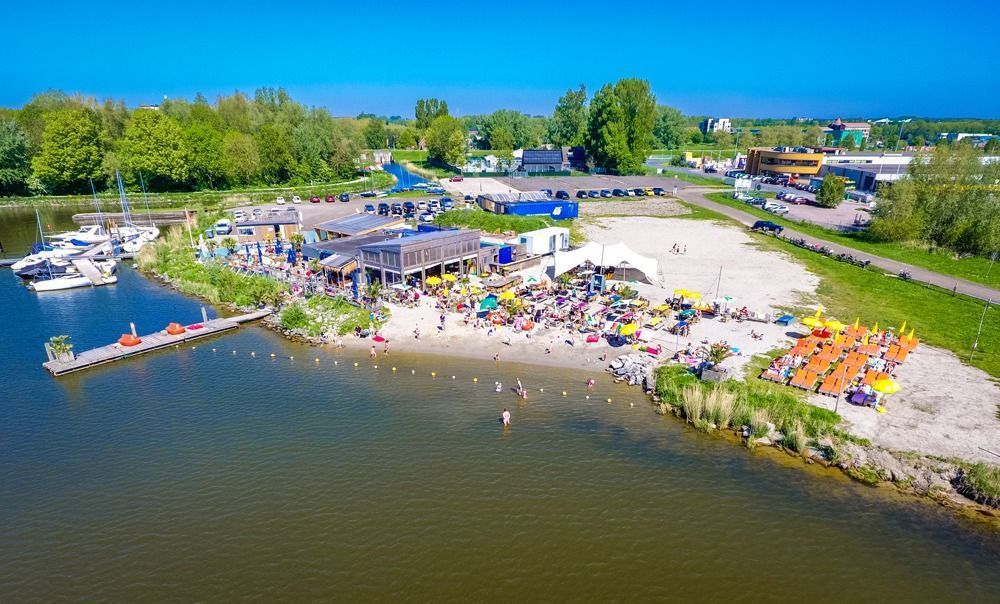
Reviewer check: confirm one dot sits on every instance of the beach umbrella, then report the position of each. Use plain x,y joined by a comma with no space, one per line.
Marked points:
857,322
277,246
875,329
627,330
260,254
886,386
449,277
819,310
910,337
507,295
292,256
247,246
661,308
902,328
812,322
532,280
433,280
834,325
489,303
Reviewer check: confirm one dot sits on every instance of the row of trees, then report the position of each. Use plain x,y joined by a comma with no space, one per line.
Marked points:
58,144
950,199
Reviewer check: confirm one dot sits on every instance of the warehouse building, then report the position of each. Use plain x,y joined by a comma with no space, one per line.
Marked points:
528,203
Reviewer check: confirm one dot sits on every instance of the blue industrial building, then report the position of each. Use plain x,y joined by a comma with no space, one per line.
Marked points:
532,203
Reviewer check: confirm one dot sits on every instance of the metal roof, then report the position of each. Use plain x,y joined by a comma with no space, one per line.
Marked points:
356,224
337,260
289,217
422,238
514,197
542,156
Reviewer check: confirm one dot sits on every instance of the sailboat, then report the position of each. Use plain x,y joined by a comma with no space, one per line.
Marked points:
132,237
48,278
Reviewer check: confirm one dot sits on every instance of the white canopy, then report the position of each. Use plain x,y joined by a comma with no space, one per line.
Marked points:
606,255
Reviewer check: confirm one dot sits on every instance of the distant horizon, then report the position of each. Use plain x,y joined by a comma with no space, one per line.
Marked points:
352,59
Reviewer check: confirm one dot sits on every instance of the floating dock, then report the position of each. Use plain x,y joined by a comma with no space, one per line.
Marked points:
154,341
150,219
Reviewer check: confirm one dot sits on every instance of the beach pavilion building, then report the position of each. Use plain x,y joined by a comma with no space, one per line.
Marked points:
392,261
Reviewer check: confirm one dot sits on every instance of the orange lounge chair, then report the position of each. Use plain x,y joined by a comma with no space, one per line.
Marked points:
872,376
832,384
818,365
871,350
771,376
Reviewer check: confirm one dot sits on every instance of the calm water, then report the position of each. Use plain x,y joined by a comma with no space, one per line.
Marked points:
208,475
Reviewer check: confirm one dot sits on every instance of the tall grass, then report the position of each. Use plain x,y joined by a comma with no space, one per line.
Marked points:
981,482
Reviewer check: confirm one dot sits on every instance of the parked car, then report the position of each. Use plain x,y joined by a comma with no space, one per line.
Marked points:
296,199
433,205
768,227
757,201
800,200
618,192
775,208
330,199
368,194
369,208
468,199
593,194
742,197
426,217
458,178
408,207
397,209
562,194
421,205
658,191
639,192
547,192
447,204
280,201
383,209
605,192
314,199
581,194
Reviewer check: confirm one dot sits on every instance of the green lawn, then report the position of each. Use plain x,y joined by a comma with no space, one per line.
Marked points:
694,179
850,292
975,269
699,150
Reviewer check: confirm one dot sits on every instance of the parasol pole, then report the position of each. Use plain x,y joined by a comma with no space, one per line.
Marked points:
975,344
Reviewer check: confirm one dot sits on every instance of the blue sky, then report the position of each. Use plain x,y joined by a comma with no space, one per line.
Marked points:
784,59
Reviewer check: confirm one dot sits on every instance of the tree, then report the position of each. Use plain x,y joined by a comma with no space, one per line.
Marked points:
501,138
204,145
342,160
813,135
375,135
847,142
240,159
234,111
274,147
15,169
427,110
992,146
153,146
70,155
620,128
446,140
568,127
408,138
831,192
669,127
512,128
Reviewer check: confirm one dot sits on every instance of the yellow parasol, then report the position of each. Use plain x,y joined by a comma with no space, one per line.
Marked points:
629,329
445,291
902,328
910,337
886,386
433,280
857,322
661,308
875,329
864,340
812,322
449,277
507,295
834,325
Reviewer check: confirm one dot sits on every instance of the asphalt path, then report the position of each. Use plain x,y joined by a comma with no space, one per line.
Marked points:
696,196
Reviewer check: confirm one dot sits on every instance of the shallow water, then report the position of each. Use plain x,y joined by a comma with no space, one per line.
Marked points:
208,475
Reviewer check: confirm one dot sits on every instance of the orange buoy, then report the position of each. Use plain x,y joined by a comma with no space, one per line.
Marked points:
175,329
128,339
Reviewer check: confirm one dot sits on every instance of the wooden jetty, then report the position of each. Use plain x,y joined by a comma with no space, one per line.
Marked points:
153,218
154,341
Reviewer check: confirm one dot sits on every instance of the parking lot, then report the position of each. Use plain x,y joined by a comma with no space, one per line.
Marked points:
570,184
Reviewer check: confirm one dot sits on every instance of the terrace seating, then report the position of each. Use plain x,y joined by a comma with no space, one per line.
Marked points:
857,333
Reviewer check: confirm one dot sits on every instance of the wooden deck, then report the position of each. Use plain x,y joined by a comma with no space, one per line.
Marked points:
154,341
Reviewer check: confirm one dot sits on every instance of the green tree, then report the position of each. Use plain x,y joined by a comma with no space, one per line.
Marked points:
240,158
205,166
234,112
153,146
274,147
620,129
669,127
847,142
446,140
831,192
15,169
568,127
501,138
342,160
71,153
512,127
427,110
992,146
375,135
408,138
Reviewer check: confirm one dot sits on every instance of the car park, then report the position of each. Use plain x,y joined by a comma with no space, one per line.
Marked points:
581,194
562,194
280,201
383,209
296,199
314,199
369,208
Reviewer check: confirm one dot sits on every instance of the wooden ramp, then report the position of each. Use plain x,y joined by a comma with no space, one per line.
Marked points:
154,341
89,270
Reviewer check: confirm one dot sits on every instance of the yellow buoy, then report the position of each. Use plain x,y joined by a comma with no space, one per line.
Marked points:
433,374
609,401
452,377
355,364
564,393
393,368
272,355
475,379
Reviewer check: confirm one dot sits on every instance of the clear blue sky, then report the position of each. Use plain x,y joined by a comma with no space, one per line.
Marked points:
783,59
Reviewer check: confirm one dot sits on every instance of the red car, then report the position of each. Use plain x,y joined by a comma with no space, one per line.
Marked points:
456,178
330,199
314,199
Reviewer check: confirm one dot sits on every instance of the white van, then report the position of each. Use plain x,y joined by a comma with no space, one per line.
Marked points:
223,227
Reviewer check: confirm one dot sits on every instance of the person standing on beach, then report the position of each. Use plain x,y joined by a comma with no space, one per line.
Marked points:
373,351
416,333
386,349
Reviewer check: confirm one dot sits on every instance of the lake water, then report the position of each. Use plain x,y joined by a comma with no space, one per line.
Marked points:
404,178
210,474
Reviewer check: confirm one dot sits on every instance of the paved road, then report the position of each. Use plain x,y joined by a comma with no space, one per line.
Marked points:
696,196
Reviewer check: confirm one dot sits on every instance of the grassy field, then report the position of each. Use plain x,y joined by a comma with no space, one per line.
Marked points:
850,292
975,269
698,150
193,199
694,179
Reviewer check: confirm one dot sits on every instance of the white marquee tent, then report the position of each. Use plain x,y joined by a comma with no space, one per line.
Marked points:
606,255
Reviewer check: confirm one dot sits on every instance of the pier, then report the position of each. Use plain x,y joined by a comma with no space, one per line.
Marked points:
157,218
155,341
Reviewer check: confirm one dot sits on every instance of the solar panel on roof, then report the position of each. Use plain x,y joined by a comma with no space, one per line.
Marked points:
542,156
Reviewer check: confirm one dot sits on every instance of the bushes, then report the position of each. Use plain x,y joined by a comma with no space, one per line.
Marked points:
489,222
980,482
320,315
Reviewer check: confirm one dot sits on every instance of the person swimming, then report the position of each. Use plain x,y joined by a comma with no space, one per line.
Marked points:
590,383
506,416
499,387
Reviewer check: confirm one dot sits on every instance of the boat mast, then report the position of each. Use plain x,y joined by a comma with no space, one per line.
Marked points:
145,201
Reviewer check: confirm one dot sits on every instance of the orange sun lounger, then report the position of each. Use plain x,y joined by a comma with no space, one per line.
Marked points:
872,376
804,379
832,384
